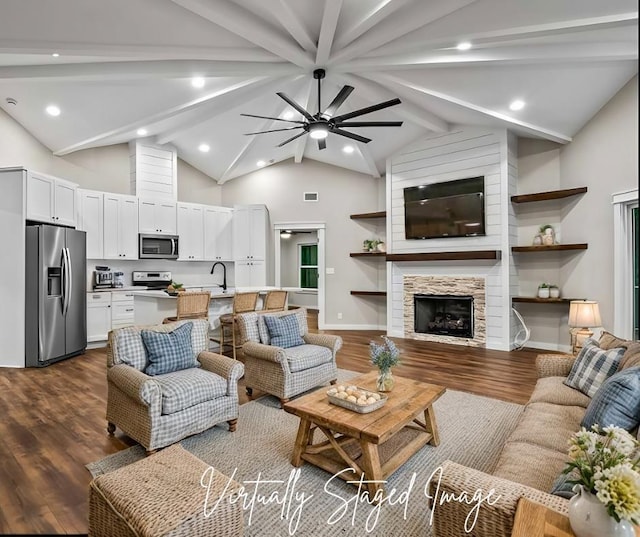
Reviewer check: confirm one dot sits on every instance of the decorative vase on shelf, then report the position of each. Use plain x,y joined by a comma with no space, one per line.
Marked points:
549,237
385,381
537,240
589,518
554,292
543,292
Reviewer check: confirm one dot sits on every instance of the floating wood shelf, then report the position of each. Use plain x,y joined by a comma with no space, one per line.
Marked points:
446,256
364,216
536,300
550,195
555,247
367,254
369,293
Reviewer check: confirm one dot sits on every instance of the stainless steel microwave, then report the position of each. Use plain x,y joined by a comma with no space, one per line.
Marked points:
157,246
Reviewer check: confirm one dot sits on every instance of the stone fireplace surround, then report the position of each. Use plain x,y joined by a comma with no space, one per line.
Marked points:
446,285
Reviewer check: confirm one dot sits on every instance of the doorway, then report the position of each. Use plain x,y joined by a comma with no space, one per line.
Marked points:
300,264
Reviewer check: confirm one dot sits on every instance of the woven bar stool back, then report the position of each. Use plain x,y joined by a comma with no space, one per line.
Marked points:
275,301
191,306
242,303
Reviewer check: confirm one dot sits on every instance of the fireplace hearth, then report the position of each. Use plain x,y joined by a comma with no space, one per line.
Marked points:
444,315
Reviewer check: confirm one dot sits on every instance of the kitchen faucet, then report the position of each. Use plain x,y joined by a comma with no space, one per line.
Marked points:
224,273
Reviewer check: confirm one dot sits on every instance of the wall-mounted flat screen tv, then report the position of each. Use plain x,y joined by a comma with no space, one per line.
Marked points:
449,209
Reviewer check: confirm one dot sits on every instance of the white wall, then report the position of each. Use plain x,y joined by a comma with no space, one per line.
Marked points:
341,193
604,157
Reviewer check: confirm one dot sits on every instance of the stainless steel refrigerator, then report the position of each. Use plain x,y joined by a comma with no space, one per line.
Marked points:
56,281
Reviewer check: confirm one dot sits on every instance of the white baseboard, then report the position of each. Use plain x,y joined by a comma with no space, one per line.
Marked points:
548,346
97,344
381,327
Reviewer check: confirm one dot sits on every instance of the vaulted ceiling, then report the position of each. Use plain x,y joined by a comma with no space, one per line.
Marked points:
125,65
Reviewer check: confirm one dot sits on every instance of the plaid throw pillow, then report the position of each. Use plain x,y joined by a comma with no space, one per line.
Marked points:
617,402
170,351
284,331
592,367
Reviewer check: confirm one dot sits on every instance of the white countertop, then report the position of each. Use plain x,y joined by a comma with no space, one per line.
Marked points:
216,292
125,288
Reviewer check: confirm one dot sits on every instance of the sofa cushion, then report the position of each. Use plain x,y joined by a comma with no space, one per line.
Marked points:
553,390
593,366
548,425
170,351
301,317
631,357
530,464
284,331
189,387
307,356
617,401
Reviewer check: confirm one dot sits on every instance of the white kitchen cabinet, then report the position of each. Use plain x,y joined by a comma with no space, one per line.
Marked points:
250,274
250,232
122,309
157,216
120,226
191,231
218,234
91,221
50,199
98,316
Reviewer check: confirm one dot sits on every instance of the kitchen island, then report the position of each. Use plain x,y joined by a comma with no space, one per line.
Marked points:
151,307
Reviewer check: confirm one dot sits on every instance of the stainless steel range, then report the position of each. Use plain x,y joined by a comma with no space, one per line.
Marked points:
152,280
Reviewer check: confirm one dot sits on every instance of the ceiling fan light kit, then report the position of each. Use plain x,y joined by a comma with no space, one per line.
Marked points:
319,126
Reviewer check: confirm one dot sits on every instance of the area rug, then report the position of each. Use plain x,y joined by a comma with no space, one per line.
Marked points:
472,429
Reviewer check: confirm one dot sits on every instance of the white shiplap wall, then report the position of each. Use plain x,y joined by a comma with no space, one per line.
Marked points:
154,170
459,154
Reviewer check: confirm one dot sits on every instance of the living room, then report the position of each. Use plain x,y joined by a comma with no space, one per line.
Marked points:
566,160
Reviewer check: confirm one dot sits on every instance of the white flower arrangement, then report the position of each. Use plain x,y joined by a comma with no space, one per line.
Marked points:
606,463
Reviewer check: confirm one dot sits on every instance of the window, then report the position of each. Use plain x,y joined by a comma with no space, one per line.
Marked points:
636,273
626,265
308,266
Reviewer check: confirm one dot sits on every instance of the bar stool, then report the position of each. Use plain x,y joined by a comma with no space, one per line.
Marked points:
242,303
191,306
275,301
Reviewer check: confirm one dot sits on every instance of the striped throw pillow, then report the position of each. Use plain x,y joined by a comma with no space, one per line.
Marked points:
592,367
170,351
617,402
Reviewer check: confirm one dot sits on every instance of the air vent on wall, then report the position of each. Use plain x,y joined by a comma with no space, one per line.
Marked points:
310,196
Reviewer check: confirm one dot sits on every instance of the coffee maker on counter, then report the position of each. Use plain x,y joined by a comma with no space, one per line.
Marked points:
102,278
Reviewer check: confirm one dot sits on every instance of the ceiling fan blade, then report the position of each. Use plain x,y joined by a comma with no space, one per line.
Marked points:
295,105
292,139
369,124
367,110
273,130
337,101
322,143
274,118
352,136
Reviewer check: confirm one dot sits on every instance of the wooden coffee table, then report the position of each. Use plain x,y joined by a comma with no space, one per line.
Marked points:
374,444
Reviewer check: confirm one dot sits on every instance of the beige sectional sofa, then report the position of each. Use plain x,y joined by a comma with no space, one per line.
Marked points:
532,458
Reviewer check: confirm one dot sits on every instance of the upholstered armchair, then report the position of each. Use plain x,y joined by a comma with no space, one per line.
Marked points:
286,372
159,410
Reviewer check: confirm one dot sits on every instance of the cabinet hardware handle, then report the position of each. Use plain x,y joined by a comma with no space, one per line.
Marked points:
129,309
109,306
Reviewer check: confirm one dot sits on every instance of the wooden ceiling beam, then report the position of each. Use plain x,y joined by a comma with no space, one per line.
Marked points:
364,152
328,30
247,25
292,23
397,26
144,70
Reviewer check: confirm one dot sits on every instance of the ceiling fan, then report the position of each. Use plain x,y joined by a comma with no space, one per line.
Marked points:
324,122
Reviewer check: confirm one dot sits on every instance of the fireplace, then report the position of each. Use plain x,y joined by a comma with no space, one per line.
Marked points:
444,315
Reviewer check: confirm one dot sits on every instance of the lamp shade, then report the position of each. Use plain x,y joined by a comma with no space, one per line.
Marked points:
584,314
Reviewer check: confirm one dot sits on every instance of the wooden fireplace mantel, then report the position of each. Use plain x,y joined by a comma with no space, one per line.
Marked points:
446,256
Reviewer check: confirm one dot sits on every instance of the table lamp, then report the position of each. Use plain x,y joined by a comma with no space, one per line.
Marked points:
583,314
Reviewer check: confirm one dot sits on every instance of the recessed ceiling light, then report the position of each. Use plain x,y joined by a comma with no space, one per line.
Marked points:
261,163
56,55
465,45
141,132
348,149
53,110
197,82
518,104
288,115
204,148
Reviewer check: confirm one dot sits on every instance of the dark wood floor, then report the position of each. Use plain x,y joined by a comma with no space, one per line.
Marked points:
52,421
